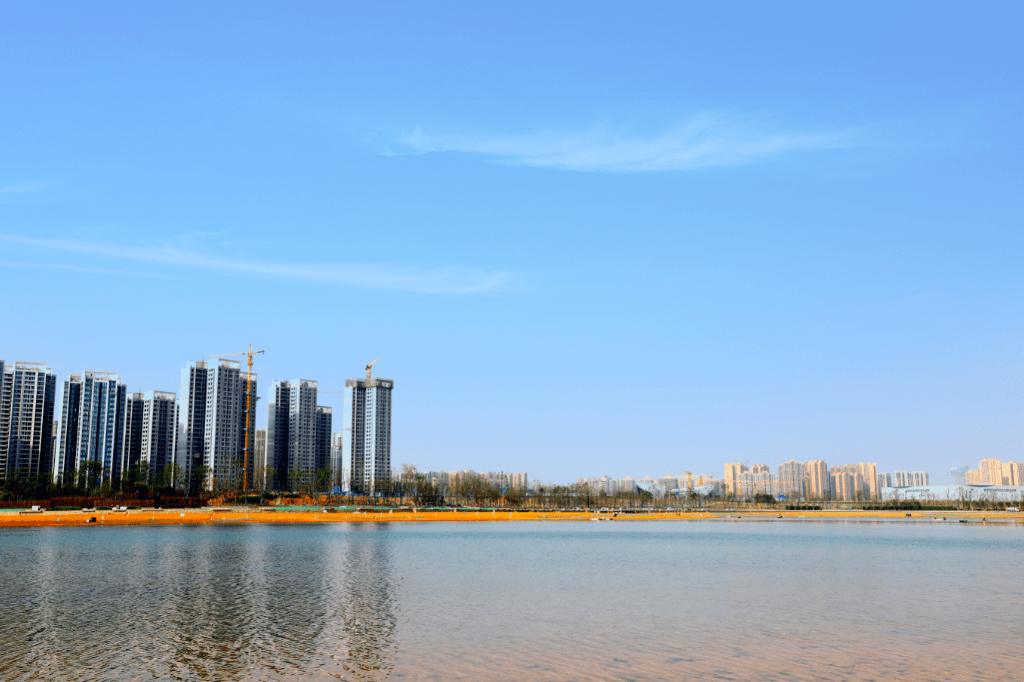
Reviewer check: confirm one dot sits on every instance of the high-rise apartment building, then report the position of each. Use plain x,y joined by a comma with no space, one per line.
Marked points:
884,481
27,399
298,432
1012,473
278,418
732,475
263,480
817,480
93,412
338,471
324,422
791,478
159,436
302,427
211,423
367,423
869,474
192,406
918,478
757,481
901,479
847,483
991,471
225,454
132,448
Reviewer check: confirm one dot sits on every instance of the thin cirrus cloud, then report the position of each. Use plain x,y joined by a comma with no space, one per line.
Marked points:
432,281
704,141
21,188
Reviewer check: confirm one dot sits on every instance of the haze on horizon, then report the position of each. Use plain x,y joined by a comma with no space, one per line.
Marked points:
583,238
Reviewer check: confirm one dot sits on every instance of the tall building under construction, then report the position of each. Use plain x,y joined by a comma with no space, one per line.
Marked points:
367,432
298,432
211,423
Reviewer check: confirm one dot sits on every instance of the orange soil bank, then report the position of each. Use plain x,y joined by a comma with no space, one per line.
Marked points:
25,519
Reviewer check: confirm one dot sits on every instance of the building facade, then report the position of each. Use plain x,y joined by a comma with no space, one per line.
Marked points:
264,478
732,474
367,425
132,447
302,428
191,432
869,473
92,433
28,393
791,478
211,434
339,471
991,471
278,418
324,423
228,463
817,480
159,437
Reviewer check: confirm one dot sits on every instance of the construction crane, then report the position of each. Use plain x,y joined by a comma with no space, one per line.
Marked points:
368,369
689,479
248,409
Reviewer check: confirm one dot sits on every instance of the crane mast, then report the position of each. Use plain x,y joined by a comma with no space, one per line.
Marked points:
248,410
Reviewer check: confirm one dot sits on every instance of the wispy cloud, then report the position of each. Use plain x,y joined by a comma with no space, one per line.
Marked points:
703,141
67,267
22,187
422,280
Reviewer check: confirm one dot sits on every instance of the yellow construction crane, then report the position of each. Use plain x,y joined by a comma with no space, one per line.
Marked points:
689,480
248,409
368,369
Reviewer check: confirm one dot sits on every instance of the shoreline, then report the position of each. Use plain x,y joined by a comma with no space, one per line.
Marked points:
156,517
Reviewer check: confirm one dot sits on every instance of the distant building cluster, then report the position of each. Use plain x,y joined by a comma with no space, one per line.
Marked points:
204,435
814,480
991,472
804,480
669,484
517,481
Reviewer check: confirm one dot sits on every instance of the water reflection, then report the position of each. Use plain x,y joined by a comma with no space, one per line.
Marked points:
363,618
511,602
198,603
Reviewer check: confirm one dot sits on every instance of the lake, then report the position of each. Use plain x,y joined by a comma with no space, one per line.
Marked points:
629,600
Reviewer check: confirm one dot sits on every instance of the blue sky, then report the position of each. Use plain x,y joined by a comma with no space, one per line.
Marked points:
584,238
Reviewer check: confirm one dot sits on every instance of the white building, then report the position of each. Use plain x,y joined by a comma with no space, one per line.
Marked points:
338,470
27,400
961,493
159,437
298,432
225,451
131,449
367,423
211,423
93,412
192,405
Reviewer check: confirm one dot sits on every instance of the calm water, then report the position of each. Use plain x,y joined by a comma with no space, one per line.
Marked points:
516,601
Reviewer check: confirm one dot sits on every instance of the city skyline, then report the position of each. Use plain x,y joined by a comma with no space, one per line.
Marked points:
294,403
812,245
